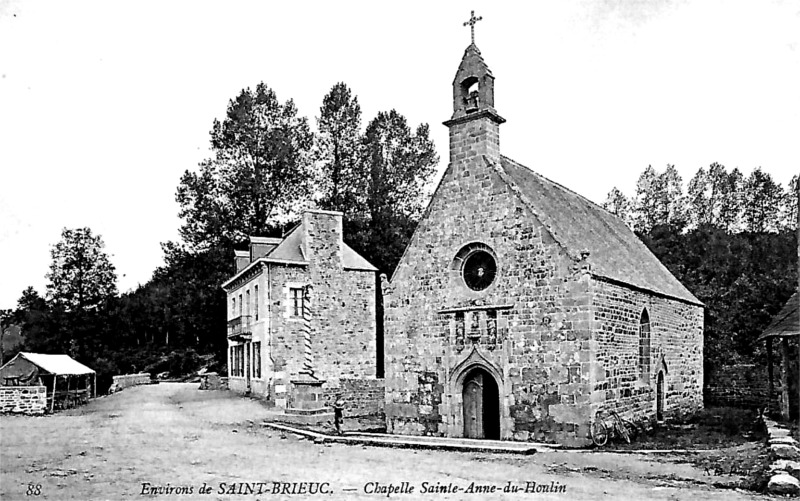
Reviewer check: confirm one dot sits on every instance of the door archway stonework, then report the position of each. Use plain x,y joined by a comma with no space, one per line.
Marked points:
453,398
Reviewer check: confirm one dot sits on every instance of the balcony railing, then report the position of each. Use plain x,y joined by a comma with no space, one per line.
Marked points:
239,327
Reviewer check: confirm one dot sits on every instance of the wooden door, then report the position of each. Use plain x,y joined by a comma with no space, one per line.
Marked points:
473,406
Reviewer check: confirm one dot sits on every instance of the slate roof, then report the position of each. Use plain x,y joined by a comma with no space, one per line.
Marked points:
787,322
57,364
290,250
578,224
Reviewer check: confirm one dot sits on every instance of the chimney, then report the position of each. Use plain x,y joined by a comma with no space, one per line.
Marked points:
322,237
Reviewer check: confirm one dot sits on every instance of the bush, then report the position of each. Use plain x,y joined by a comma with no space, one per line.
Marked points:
183,362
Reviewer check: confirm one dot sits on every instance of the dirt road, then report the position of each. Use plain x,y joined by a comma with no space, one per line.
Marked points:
168,441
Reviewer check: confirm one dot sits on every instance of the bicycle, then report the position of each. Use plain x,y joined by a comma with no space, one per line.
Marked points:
600,430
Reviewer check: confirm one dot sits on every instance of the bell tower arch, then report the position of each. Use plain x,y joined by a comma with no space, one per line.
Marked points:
474,125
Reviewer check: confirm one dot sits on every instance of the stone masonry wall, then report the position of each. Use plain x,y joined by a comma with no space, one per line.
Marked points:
23,399
362,397
738,385
676,347
540,355
128,380
343,325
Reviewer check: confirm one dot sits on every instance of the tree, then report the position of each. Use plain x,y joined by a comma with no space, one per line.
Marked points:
39,323
659,199
397,164
671,203
81,277
618,204
338,148
730,200
6,320
714,198
790,202
259,174
762,202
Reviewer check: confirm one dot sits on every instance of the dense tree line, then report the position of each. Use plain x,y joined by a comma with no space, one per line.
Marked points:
731,240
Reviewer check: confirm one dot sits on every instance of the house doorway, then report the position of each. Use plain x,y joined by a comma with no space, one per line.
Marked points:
660,396
481,405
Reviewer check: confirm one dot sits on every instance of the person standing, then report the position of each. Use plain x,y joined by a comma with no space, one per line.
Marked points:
338,410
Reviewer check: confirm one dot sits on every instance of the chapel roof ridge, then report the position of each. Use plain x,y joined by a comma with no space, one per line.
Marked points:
503,157
578,224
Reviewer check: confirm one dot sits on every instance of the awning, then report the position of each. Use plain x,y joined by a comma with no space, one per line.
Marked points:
787,322
62,365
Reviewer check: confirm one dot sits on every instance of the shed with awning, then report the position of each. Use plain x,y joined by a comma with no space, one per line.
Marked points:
68,381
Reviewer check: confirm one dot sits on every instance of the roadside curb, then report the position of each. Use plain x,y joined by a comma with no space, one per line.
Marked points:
431,443
784,469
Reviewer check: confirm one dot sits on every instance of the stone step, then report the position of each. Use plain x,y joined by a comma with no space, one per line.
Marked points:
416,442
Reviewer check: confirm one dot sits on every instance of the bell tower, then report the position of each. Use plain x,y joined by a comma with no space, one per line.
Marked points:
475,124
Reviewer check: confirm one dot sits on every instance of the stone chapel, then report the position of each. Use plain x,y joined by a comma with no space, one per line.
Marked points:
520,309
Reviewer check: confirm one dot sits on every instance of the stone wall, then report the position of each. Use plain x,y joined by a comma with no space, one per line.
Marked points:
676,349
362,397
783,460
128,380
23,399
738,385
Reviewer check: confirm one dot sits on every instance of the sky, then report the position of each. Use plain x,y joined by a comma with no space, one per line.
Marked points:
103,105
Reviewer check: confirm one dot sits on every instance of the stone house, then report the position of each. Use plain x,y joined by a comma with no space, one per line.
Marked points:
520,309
302,307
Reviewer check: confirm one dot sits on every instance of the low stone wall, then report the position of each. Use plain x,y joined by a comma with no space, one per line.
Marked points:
212,381
738,385
128,380
23,399
784,457
362,397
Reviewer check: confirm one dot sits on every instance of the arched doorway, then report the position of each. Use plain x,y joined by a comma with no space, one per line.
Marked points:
660,396
481,401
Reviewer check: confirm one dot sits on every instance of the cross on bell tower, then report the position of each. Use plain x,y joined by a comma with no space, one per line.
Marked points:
471,24
474,125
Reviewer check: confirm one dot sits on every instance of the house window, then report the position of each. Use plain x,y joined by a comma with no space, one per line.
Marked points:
247,302
644,347
296,296
255,298
230,362
233,307
237,361
240,305
257,359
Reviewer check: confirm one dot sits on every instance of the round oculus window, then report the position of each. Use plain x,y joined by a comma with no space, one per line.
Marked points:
479,270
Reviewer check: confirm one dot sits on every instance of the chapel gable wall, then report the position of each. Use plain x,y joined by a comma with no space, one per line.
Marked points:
542,343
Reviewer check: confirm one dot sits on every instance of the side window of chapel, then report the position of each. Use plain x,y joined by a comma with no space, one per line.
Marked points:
644,347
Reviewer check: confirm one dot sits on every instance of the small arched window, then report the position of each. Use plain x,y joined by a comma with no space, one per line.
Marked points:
644,346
